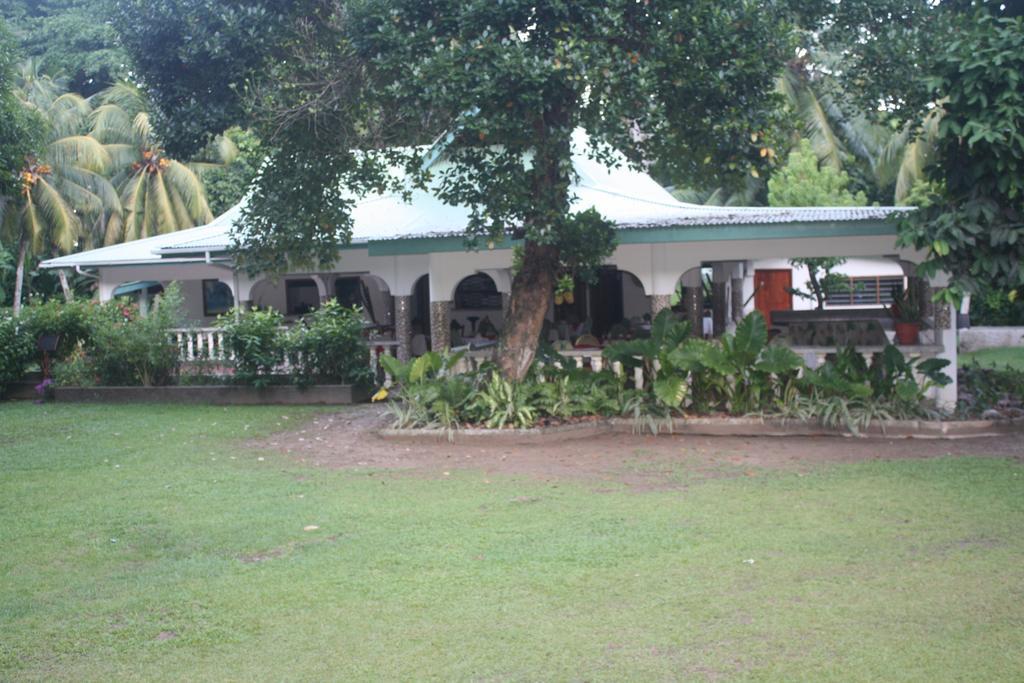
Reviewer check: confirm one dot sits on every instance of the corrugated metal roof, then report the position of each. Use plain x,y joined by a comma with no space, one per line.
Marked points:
629,198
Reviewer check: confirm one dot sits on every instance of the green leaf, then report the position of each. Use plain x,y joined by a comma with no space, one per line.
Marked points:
670,390
425,366
778,360
751,336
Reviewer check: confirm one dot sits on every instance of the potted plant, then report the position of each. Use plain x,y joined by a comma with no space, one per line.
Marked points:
907,314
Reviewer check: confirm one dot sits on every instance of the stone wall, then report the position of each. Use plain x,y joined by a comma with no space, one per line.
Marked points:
975,338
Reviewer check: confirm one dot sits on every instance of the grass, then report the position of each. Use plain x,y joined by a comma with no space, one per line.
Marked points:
147,543
1012,356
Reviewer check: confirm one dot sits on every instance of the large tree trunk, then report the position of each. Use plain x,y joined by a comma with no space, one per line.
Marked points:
532,291
62,275
19,273
534,285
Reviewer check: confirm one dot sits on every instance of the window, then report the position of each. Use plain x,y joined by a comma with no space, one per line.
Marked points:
301,296
217,298
875,290
477,292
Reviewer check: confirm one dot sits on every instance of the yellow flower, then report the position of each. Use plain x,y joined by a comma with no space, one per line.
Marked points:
381,394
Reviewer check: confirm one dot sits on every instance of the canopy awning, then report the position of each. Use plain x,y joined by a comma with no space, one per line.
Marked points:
137,286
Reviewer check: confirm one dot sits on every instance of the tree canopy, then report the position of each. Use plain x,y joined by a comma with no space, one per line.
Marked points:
802,181
972,215
20,130
70,38
504,87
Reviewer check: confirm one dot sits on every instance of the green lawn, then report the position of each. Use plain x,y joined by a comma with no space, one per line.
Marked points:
1007,355
129,534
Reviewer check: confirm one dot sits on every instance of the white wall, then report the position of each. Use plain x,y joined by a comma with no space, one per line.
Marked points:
854,267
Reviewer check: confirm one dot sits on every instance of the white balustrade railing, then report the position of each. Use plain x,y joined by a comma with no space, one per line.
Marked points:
206,344
200,343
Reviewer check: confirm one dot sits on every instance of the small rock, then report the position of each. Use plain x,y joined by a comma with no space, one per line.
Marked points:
991,414
310,527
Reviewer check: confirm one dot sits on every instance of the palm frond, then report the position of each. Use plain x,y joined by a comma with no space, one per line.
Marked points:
113,231
191,189
68,114
163,214
122,155
181,215
63,225
33,225
133,200
111,124
81,199
142,127
810,107
126,96
97,184
78,150
37,89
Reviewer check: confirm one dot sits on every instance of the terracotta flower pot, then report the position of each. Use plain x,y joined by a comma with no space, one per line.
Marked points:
907,333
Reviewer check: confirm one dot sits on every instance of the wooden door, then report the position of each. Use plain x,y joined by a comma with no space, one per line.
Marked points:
772,291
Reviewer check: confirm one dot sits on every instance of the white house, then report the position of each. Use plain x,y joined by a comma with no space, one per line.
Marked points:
408,265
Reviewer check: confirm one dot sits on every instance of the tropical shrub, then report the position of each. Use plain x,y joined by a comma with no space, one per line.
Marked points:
73,321
568,392
16,350
255,341
431,394
741,373
996,307
134,349
76,370
328,346
497,402
848,392
985,388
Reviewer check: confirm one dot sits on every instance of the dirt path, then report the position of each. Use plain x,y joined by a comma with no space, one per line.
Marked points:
348,440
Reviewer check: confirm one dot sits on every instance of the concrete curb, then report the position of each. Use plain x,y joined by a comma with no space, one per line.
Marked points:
726,426
580,430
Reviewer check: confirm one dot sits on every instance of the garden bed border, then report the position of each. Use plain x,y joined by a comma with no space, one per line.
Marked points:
213,394
728,426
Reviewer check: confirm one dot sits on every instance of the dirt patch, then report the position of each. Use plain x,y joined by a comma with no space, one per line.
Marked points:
348,440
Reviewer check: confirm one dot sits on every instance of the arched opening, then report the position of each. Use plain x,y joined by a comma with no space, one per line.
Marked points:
477,309
693,299
293,297
614,306
370,293
218,298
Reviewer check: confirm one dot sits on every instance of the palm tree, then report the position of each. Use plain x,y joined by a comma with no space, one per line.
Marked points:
894,159
158,194
64,187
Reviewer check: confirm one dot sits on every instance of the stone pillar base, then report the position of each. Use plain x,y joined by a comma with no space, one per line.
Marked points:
694,298
659,302
403,326
440,321
718,307
737,299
